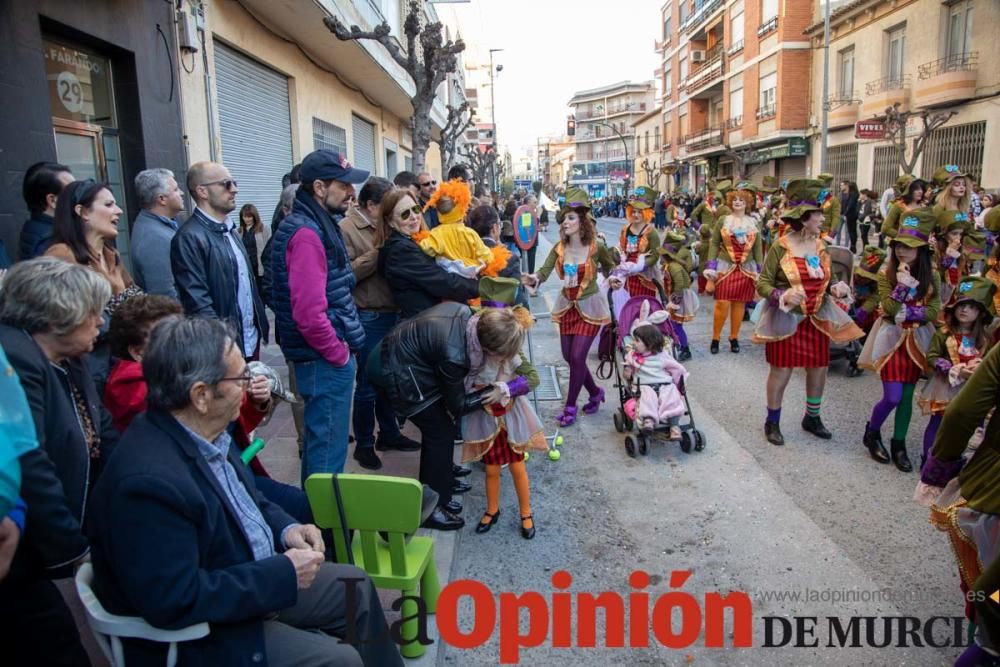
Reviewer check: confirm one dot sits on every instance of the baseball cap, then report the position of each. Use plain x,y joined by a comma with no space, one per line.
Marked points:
325,165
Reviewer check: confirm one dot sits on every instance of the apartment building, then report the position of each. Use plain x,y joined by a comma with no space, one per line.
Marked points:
734,81
604,141
927,55
646,153
549,148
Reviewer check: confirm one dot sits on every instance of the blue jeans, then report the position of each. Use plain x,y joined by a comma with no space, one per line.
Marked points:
368,406
326,390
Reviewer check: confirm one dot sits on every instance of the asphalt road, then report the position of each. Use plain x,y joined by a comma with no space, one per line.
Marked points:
815,518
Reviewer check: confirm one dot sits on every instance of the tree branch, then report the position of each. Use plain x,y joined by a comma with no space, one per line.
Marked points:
381,34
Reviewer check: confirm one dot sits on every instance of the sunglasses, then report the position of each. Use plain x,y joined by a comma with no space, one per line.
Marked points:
228,183
428,184
245,378
416,210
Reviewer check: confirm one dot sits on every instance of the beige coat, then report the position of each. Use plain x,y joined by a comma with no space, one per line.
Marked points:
372,291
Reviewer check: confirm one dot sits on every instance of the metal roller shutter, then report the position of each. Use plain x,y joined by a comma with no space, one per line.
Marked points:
256,128
364,144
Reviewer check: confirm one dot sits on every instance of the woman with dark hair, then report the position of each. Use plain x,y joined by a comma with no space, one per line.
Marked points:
50,315
799,318
255,236
485,222
85,229
416,280
868,214
910,296
909,195
580,310
734,261
849,210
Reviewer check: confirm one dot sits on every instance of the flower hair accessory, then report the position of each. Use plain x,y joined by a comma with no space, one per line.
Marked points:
951,168
964,287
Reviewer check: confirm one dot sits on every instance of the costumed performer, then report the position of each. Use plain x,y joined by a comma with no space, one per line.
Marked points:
638,245
682,300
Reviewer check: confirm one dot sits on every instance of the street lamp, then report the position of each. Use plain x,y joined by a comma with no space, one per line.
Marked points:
493,116
607,164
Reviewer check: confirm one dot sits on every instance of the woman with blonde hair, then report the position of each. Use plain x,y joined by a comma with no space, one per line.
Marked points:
951,204
735,258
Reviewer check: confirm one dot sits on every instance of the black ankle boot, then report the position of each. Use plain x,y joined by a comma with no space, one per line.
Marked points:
684,353
815,426
714,348
772,431
899,456
734,345
873,441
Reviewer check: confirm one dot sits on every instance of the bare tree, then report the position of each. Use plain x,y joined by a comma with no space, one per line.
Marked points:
652,172
428,69
456,125
745,160
482,163
896,133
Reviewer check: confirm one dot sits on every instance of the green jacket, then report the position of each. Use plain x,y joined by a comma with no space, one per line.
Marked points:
717,248
966,411
680,276
703,214
831,215
652,256
890,307
704,244
601,261
773,277
528,370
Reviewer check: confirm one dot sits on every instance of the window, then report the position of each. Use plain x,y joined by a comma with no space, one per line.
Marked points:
328,136
736,29
846,73
768,10
683,71
646,142
668,136
668,82
656,138
959,33
895,53
768,90
736,107
842,162
682,12
963,145
667,14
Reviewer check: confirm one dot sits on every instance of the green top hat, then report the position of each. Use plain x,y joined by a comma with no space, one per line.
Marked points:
724,187
747,186
992,220
770,184
974,243
905,182
674,246
973,288
825,178
576,198
916,227
803,197
871,261
644,197
498,292
945,174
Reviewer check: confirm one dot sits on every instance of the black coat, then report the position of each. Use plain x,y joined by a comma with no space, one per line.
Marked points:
205,274
424,359
168,546
849,206
55,477
416,280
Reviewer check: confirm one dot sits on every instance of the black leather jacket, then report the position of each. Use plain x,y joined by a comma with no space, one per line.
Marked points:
424,359
205,274
416,280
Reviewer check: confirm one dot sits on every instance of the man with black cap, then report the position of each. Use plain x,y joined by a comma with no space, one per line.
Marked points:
318,325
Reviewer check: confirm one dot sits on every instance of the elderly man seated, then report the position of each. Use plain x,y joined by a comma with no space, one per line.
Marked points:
180,534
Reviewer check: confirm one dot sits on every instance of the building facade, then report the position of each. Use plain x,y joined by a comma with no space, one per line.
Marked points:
646,153
724,112
926,55
604,141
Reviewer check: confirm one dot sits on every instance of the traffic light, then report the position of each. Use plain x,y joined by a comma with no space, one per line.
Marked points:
571,127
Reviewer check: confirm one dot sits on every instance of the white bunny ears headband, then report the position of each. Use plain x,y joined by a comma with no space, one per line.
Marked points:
655,319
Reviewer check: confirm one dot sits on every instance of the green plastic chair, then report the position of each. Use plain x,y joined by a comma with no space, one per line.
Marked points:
390,505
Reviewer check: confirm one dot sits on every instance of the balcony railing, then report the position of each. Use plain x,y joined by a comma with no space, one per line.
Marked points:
712,68
958,62
710,136
701,13
627,108
736,47
842,99
767,26
886,84
734,123
770,111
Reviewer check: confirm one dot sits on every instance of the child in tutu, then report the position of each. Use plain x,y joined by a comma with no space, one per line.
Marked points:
651,365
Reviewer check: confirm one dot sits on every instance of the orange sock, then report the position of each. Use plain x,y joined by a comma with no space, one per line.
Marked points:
719,318
736,310
519,473
492,491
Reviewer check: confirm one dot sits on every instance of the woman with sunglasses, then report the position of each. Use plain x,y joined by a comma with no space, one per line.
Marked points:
416,280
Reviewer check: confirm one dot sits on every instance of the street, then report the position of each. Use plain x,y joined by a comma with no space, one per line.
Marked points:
816,518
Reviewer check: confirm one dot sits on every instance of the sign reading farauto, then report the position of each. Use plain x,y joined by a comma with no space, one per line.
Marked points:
869,129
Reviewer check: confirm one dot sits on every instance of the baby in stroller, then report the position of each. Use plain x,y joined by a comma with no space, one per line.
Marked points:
650,365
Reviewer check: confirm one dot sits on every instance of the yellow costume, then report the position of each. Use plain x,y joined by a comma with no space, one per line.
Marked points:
454,245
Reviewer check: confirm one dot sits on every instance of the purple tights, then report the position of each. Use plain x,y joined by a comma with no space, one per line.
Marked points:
975,656
680,334
574,351
931,433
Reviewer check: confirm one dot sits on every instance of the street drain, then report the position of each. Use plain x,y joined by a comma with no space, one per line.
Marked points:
548,386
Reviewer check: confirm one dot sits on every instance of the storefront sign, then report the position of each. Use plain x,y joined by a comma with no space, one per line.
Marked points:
794,147
79,84
869,129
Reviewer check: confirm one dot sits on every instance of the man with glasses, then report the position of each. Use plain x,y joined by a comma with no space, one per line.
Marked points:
317,321
210,264
426,184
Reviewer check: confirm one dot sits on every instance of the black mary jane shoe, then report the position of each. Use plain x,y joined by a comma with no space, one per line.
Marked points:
460,487
815,426
442,519
714,347
734,346
528,533
684,354
460,471
454,506
899,455
772,431
482,527
873,442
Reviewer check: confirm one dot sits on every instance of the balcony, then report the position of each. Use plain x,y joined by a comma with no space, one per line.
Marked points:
768,112
734,123
701,14
947,81
707,138
709,73
884,93
767,27
735,48
843,109
638,107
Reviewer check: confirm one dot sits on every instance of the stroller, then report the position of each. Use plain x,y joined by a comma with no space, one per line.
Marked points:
612,353
842,264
